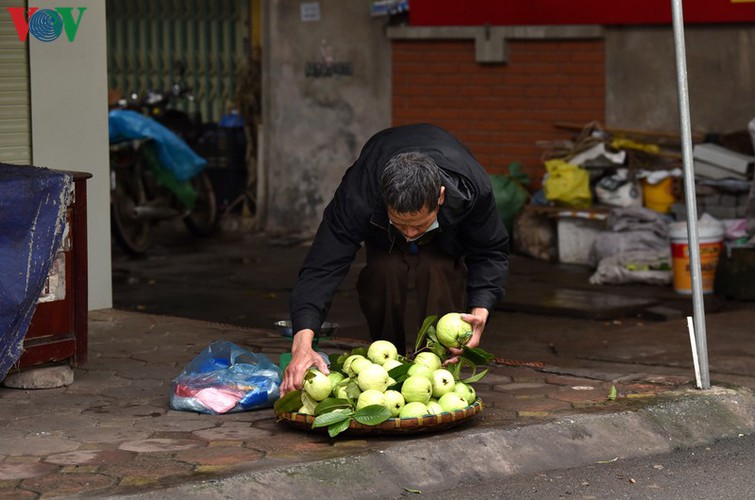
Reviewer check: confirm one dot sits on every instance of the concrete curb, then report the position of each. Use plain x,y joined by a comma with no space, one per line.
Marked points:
435,463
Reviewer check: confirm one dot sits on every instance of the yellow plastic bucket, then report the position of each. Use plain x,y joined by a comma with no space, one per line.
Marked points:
710,237
660,196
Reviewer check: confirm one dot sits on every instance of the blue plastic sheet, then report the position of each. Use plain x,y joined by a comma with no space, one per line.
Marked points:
225,378
33,203
175,155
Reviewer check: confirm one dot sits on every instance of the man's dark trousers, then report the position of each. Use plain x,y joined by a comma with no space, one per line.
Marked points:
383,285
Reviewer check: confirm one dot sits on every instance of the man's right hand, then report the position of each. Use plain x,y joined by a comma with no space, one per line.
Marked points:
303,357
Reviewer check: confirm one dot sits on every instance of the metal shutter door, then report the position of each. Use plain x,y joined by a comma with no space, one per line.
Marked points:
15,122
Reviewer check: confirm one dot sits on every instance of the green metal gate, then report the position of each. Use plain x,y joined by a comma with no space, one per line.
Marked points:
210,37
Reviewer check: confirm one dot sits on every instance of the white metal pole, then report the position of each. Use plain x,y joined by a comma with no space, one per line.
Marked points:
689,195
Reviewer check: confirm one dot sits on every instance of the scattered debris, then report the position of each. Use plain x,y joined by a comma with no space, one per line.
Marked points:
612,393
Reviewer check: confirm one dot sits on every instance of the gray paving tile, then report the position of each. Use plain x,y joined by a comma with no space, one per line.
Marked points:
9,471
233,433
90,457
169,424
36,446
159,445
114,434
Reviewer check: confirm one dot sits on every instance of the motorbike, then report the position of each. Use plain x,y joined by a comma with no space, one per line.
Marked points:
142,193
140,197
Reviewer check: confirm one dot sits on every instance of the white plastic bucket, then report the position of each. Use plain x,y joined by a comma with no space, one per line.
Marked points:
710,235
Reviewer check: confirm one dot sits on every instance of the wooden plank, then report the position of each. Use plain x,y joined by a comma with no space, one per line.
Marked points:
663,138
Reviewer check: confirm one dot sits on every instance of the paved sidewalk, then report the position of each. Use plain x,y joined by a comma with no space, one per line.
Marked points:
546,402
111,433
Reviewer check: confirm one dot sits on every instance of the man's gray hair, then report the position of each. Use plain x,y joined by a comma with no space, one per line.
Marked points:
410,182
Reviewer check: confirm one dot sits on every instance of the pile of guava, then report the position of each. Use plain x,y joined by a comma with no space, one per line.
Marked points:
373,384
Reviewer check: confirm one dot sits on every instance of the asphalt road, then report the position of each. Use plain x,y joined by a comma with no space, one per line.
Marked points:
723,471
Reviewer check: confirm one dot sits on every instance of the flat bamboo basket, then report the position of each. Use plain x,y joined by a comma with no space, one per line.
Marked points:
426,423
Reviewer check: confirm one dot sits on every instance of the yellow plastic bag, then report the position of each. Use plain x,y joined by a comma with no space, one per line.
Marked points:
640,146
567,184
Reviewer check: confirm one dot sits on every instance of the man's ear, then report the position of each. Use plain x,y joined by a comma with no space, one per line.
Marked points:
442,196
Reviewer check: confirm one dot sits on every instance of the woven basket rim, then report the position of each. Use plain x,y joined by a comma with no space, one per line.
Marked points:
393,425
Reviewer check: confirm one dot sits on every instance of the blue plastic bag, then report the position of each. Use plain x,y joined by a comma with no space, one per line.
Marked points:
225,378
175,155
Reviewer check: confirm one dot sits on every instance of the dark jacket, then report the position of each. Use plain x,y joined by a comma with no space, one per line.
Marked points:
470,227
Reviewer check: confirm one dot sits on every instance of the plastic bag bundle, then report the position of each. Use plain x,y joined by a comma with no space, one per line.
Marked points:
224,378
567,184
510,194
619,189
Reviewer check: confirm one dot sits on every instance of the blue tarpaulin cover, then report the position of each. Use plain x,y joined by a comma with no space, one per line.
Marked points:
175,155
33,204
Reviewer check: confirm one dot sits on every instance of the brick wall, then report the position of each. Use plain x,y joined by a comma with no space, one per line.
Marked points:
500,111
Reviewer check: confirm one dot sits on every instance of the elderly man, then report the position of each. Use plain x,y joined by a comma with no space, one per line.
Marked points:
424,210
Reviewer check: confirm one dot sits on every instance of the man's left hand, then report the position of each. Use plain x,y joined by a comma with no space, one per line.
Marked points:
477,317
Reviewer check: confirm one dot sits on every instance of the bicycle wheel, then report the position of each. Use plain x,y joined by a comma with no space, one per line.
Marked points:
202,221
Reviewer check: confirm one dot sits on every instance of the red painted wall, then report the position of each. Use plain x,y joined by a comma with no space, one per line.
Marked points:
533,12
500,111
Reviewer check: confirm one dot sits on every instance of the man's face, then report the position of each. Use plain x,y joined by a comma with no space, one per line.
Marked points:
413,225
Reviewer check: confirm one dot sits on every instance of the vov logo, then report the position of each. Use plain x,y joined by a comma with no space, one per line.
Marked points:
46,25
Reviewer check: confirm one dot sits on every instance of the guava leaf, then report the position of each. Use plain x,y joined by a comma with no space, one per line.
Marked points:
476,377
336,362
429,321
341,357
330,418
360,350
330,404
400,373
291,401
463,362
431,335
308,402
455,370
338,427
477,355
372,415
439,349
464,338
352,389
